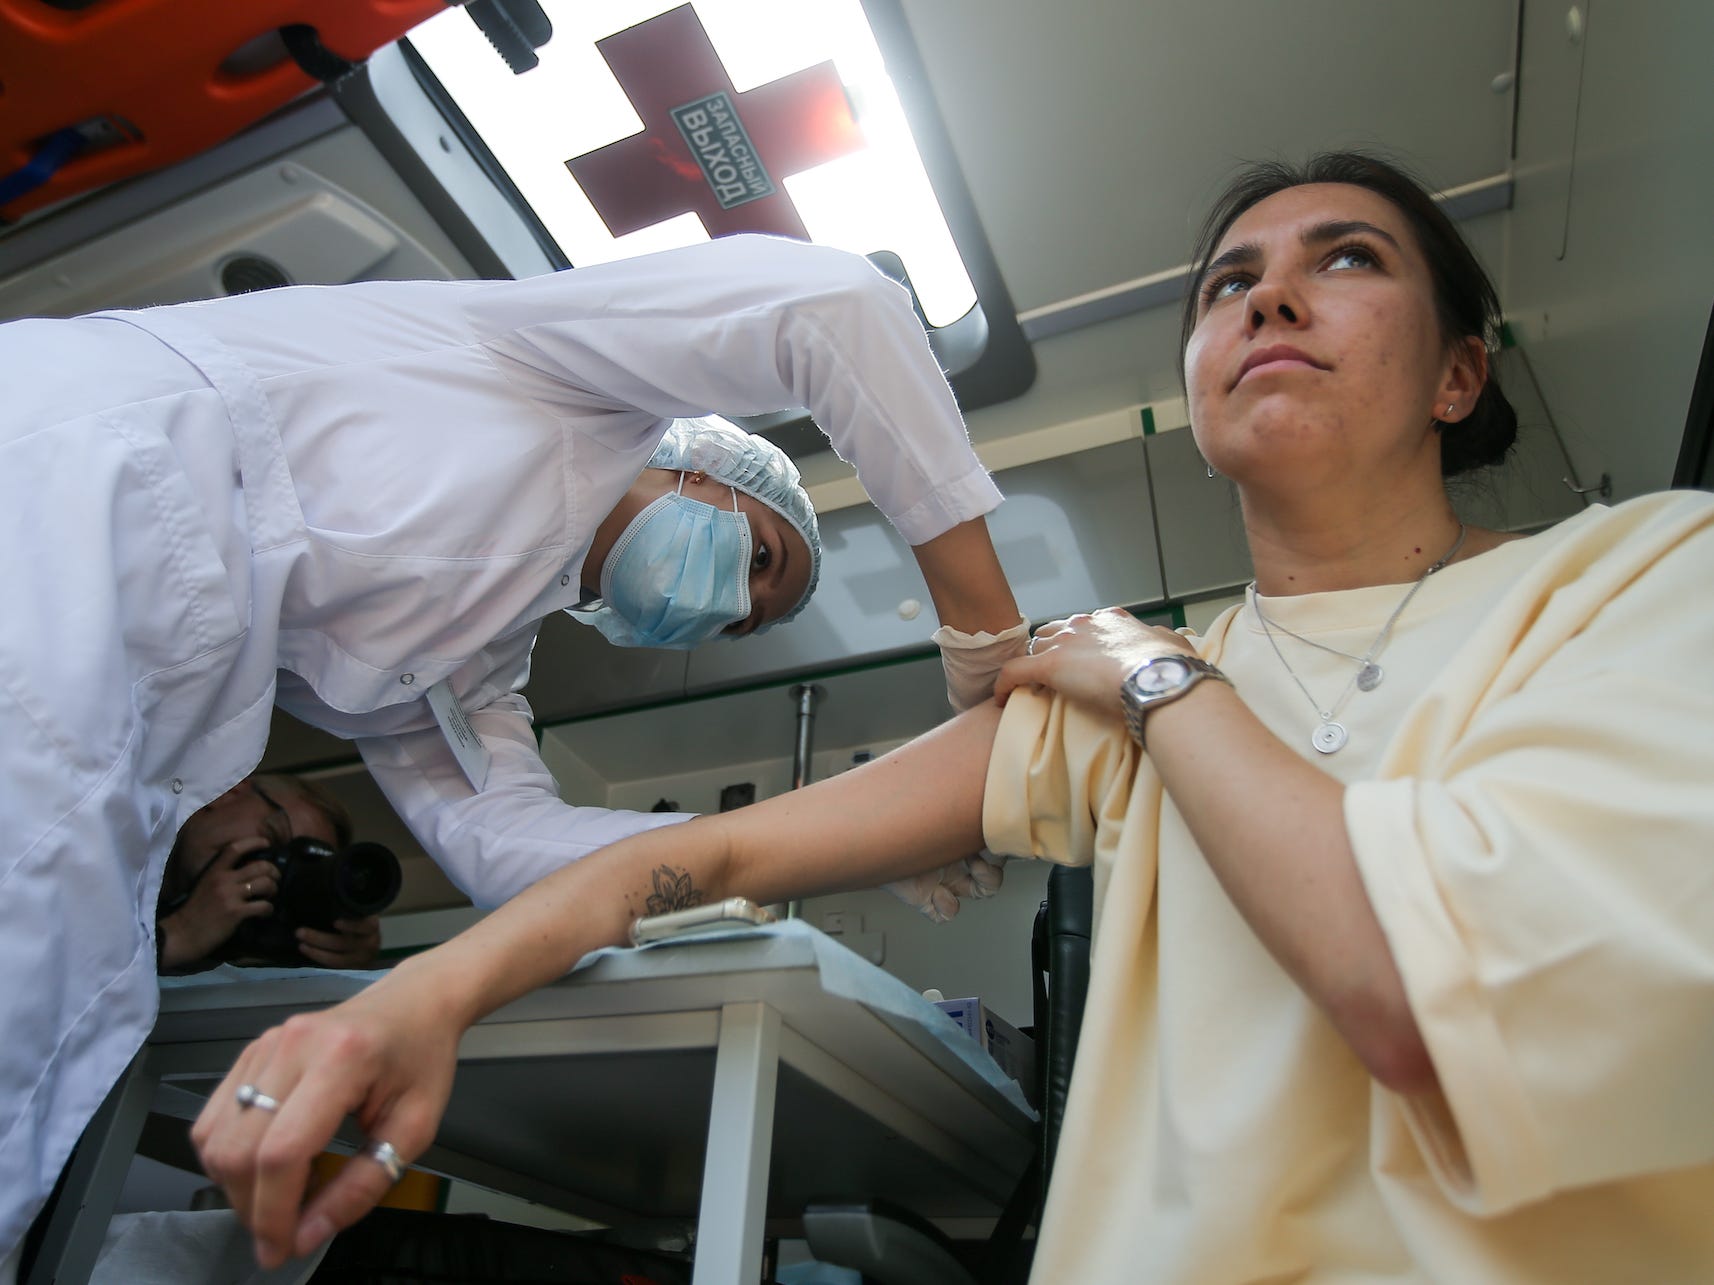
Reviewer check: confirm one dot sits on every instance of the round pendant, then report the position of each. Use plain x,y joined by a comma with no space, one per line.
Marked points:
1369,677
1329,738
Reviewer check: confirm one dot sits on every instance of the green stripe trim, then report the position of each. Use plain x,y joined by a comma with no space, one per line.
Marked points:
1148,421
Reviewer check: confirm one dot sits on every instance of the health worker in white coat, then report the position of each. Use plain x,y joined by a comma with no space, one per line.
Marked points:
358,502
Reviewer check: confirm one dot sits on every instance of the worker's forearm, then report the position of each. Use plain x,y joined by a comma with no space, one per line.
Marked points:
910,811
969,589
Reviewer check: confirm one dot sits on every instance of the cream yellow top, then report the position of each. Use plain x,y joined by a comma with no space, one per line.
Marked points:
1531,801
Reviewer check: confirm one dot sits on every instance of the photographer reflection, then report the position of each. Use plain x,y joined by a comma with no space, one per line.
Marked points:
267,874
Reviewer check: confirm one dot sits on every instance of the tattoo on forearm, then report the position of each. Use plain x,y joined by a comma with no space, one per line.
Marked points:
673,891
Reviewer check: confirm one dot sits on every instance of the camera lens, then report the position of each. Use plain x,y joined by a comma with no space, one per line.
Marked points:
367,878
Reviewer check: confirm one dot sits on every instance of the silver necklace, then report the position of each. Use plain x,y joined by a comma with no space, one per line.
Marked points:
1330,735
1369,674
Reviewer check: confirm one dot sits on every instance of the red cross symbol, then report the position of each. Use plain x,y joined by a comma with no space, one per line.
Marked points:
705,147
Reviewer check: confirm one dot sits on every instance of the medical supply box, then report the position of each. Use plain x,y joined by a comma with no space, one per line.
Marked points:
1006,1044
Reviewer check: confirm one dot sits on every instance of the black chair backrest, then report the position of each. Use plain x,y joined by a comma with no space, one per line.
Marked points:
1060,953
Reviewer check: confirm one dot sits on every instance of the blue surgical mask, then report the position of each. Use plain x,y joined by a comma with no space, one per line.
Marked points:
677,575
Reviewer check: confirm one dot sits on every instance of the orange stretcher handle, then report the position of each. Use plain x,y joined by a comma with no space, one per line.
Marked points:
161,70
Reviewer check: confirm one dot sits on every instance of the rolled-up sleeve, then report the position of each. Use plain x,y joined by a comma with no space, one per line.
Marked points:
1545,879
1062,783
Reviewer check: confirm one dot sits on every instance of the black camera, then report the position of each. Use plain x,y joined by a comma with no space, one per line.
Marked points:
318,884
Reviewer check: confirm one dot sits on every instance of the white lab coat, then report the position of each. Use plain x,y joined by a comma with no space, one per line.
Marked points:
336,498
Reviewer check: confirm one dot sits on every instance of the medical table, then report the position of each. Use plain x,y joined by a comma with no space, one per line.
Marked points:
731,1081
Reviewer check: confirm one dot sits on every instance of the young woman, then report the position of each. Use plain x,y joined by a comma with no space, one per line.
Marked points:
1405,909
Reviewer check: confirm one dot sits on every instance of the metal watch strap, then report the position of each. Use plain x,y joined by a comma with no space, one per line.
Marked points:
1137,707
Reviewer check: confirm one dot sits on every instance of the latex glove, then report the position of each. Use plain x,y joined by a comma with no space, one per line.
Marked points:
972,661
939,893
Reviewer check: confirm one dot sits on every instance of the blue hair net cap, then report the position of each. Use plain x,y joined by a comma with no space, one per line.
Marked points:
751,464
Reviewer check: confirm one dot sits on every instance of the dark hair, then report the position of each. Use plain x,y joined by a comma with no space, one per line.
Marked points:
319,798
1464,297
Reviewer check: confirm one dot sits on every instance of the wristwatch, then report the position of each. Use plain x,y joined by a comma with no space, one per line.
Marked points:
1158,680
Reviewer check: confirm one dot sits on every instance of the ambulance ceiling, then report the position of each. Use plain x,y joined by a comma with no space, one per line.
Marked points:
1093,134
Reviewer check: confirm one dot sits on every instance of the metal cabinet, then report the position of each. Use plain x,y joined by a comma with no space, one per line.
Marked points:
1201,528
574,671
1077,533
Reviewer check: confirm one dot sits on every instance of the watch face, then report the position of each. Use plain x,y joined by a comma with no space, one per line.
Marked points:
1161,676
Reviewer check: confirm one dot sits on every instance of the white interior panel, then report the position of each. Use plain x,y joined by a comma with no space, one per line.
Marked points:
1094,134
303,214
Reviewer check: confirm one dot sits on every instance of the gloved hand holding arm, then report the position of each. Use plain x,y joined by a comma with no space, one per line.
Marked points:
939,893
980,626
973,661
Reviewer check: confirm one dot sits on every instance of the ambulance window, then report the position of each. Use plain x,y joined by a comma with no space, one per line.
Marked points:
646,125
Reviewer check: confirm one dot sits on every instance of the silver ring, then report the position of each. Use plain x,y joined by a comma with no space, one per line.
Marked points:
382,1153
1030,649
246,890
250,1096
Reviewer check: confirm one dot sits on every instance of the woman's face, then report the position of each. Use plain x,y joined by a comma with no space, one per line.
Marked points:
1317,356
